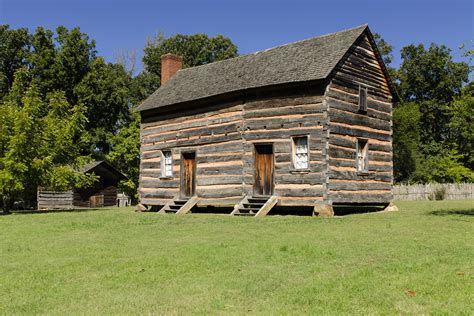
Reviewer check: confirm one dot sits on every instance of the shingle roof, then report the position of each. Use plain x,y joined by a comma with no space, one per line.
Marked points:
306,60
93,165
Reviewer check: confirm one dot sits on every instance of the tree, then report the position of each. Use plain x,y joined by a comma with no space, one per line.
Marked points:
197,49
42,61
14,50
406,138
41,142
104,92
461,112
386,52
444,167
427,75
126,155
142,86
432,79
74,57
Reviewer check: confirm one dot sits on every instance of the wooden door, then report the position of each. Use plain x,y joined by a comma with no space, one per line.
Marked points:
96,200
188,174
263,170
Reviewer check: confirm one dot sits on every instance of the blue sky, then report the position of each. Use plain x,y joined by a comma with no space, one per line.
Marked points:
124,25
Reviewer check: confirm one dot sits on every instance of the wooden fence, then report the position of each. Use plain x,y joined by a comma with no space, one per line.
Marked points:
49,200
458,191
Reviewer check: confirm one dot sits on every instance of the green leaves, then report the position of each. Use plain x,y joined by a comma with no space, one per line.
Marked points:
14,50
197,49
443,168
41,141
430,74
126,155
104,92
433,124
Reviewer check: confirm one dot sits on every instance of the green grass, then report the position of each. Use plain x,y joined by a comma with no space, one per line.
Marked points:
116,261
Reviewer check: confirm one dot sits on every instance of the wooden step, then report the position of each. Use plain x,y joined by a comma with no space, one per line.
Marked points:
253,204
186,207
257,200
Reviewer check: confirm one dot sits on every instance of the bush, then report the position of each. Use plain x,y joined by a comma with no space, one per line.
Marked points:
439,193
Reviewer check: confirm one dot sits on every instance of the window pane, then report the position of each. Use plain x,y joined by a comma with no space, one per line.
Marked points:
168,164
362,156
300,157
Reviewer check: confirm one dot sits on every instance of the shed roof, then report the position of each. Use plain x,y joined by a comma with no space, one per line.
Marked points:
103,167
307,60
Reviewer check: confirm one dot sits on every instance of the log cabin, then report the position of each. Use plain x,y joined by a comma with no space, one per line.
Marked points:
306,124
102,193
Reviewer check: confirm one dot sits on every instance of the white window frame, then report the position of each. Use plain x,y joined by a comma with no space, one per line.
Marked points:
295,154
362,156
363,99
166,172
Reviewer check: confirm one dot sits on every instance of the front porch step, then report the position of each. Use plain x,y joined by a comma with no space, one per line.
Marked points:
179,206
254,206
257,200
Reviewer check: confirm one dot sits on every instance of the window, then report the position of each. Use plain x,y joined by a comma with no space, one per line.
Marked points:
362,156
300,152
362,99
166,164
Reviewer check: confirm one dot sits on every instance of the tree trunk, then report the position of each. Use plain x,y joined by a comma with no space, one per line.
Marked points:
6,205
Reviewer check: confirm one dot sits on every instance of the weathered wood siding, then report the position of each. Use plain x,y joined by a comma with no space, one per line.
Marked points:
82,196
224,141
54,200
347,124
434,191
215,137
276,120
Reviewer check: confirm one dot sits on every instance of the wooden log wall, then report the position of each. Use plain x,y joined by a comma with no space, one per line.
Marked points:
82,196
54,200
347,124
215,137
224,141
276,120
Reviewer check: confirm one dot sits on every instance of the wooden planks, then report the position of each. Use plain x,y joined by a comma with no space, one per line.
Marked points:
347,124
48,199
224,141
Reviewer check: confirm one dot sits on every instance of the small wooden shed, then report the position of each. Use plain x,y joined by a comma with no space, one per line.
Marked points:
102,193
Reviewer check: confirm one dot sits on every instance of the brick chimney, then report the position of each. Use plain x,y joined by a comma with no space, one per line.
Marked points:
170,64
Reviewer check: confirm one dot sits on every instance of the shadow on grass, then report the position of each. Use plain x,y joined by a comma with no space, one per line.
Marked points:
342,210
74,210
466,212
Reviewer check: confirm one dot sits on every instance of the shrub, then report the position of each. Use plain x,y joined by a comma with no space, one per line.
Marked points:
438,194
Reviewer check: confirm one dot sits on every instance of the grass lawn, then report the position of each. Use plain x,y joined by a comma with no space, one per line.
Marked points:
116,261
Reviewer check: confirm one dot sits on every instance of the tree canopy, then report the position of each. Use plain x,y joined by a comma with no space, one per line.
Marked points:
197,49
62,105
